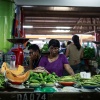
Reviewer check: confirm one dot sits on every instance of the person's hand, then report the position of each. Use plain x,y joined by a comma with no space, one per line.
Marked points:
33,57
40,69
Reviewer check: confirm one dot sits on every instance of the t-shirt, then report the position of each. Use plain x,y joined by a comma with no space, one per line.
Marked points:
36,62
57,66
74,54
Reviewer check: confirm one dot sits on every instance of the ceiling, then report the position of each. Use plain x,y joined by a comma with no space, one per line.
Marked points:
45,19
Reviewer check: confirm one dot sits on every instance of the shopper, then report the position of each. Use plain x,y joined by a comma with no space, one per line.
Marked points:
63,49
69,42
65,72
55,62
75,53
35,56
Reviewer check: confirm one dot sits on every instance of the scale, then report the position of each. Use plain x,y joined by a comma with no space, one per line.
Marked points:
19,37
18,51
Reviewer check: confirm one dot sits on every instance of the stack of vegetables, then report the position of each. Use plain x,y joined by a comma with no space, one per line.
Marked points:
66,79
14,76
41,78
35,79
2,81
94,81
69,78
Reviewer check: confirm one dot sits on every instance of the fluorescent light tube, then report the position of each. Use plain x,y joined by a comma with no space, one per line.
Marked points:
60,30
42,38
63,27
28,26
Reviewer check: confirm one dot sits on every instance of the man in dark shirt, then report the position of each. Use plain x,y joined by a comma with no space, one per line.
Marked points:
35,56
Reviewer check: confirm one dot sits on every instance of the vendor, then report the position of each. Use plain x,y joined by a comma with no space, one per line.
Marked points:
55,62
35,56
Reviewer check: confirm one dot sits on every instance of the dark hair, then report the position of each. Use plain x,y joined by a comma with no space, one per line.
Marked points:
63,45
54,43
75,39
34,47
69,42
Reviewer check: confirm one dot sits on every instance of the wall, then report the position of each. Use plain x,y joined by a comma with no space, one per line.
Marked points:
6,19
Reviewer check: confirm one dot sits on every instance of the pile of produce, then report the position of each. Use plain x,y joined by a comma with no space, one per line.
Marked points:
2,81
69,78
94,81
19,79
96,78
66,79
37,79
6,67
42,78
15,76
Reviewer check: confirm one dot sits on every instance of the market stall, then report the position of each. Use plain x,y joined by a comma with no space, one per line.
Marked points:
18,84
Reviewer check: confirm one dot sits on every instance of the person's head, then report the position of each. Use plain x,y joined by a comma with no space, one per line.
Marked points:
69,42
34,51
76,41
75,38
63,45
54,46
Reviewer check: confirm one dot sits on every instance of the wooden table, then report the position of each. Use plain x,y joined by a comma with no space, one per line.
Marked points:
49,96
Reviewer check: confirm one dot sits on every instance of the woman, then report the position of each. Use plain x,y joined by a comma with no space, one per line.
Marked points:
75,53
55,62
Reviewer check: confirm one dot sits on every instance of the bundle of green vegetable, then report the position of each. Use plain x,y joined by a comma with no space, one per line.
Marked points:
96,78
37,79
66,79
45,48
93,82
2,81
89,52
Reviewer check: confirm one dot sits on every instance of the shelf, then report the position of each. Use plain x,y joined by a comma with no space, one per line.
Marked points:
18,40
